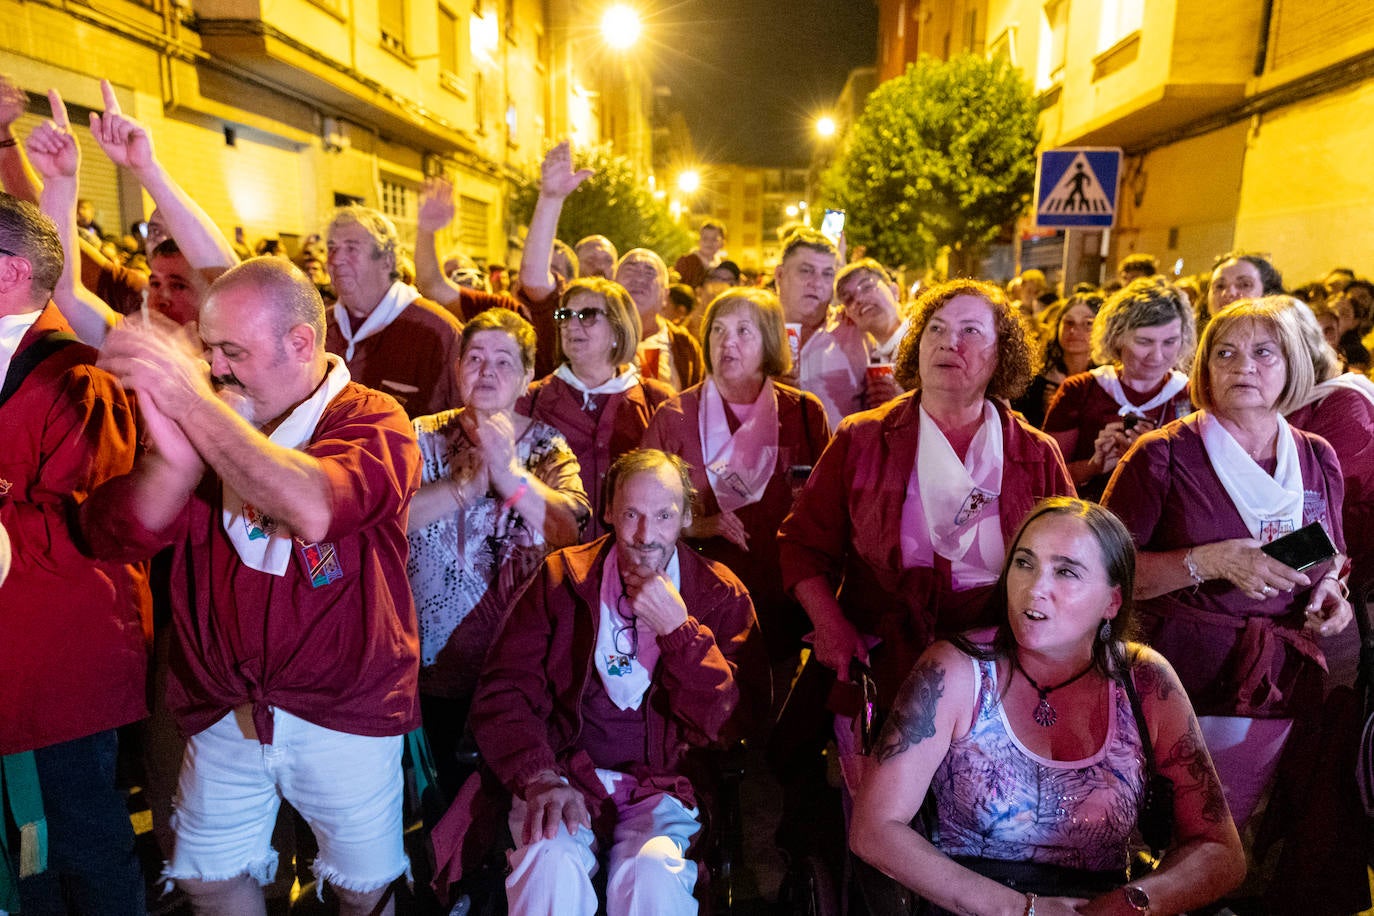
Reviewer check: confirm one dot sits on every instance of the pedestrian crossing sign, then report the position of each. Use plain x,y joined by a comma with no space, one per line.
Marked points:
1077,187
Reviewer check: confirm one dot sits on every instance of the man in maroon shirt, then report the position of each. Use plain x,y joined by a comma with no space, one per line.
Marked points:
622,660
295,652
72,649
392,338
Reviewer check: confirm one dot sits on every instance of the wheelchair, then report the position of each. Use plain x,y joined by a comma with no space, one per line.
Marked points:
482,891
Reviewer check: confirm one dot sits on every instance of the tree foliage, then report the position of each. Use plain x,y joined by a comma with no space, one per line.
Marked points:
942,158
613,203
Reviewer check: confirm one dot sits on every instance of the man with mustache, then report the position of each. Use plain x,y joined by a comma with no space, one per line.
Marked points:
295,654
621,661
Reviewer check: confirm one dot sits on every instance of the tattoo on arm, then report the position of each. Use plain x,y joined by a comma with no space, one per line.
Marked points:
913,718
1189,755
1150,680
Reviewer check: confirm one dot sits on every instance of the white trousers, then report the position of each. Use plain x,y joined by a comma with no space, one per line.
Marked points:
648,873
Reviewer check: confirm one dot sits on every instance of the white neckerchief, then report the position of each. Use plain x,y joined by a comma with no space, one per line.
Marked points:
1110,380
739,464
1351,380
885,351
1270,506
662,341
613,385
261,543
393,304
12,330
625,678
957,502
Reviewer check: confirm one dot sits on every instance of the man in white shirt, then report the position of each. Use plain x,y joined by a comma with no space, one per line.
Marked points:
872,302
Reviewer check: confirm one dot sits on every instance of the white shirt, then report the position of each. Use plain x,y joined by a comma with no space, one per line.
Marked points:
834,361
12,330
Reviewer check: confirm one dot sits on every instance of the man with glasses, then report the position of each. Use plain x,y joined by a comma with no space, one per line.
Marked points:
872,303
602,758
830,353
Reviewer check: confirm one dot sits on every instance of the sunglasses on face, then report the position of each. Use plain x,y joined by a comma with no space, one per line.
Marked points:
586,317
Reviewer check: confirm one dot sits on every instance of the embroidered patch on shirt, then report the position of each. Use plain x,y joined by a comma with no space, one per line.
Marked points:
323,562
5,487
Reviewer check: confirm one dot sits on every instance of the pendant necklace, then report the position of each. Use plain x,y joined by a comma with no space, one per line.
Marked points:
1046,715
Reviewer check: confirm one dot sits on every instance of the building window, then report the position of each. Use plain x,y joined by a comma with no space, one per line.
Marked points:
1054,33
399,201
1120,20
473,216
448,42
392,16
1003,47
480,97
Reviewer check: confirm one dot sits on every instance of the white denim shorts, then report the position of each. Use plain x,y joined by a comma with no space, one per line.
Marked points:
347,787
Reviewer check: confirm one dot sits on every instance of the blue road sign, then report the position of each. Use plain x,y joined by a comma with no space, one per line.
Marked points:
1077,187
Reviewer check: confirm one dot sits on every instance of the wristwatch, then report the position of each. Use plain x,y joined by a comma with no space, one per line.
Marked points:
1137,898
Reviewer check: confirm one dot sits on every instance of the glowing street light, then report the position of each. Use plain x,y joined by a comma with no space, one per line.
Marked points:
620,26
825,126
792,210
688,182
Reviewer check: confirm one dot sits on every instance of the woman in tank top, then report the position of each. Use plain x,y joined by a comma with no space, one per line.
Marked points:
1027,738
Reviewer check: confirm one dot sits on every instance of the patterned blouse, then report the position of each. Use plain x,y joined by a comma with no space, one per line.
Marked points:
465,570
998,800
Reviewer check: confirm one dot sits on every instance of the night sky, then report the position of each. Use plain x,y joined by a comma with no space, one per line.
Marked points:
751,75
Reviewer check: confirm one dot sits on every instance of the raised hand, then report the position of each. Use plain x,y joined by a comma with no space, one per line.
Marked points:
51,147
557,178
13,101
123,139
437,206
155,357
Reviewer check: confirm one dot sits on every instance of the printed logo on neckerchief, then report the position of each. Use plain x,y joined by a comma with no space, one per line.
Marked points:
618,665
973,505
257,524
1272,529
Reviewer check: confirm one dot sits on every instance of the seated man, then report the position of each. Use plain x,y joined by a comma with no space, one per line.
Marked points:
605,756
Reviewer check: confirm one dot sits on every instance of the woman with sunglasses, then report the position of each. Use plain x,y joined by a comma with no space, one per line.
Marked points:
748,440
596,397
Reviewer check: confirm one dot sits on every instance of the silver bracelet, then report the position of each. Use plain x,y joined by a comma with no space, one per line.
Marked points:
1193,572
1340,583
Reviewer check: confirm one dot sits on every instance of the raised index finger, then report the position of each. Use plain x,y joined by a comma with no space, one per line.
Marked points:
111,102
59,109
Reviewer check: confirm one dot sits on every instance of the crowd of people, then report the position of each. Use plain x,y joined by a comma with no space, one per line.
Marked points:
385,499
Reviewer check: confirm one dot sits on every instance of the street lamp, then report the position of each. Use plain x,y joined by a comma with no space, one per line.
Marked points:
825,127
620,26
689,182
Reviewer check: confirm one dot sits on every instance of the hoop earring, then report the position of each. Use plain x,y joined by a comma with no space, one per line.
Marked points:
1104,632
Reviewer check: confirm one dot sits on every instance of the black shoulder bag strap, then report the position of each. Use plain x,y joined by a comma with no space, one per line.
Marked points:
29,360
1156,816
